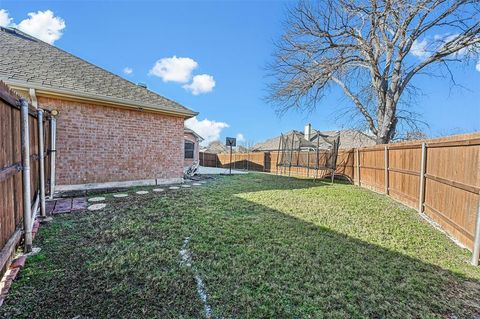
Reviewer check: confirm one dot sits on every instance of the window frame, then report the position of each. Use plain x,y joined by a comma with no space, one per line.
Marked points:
185,149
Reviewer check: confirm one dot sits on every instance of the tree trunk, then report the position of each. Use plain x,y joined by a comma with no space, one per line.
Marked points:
381,140
386,123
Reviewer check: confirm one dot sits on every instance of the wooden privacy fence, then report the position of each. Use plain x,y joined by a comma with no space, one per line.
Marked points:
267,162
439,177
24,144
243,161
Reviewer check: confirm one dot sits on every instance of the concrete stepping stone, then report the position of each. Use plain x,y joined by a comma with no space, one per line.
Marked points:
158,190
120,195
96,199
141,192
63,205
79,203
174,187
186,186
96,207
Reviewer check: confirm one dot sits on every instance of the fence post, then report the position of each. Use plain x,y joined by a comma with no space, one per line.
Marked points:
269,157
421,195
358,166
386,170
41,161
476,243
27,210
308,163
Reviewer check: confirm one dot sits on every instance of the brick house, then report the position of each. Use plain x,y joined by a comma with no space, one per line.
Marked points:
192,147
110,131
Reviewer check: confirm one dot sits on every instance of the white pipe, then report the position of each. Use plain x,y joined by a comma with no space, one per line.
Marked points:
41,162
53,150
33,97
27,213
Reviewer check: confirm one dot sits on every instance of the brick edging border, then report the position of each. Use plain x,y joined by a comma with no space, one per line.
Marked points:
14,268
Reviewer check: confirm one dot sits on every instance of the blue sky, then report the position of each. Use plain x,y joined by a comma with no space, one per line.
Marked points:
228,43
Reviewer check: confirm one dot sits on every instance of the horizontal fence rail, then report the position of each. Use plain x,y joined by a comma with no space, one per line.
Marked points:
439,177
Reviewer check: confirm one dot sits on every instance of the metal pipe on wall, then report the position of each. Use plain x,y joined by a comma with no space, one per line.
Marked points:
41,161
53,149
27,209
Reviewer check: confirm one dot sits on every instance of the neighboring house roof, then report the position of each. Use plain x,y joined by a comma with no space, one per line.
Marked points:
216,147
31,63
348,139
190,131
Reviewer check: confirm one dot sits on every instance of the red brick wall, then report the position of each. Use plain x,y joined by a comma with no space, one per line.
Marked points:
97,144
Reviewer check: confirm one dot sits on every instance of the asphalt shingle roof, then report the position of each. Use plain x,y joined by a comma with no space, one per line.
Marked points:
25,59
348,139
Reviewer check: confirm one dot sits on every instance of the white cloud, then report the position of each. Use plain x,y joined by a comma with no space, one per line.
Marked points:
240,138
202,83
209,130
5,19
127,70
43,25
423,49
419,48
174,69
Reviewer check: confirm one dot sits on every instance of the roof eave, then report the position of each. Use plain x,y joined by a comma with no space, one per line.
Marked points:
188,130
43,90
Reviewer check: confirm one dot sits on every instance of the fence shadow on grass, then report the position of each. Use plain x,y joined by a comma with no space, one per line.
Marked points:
264,262
256,261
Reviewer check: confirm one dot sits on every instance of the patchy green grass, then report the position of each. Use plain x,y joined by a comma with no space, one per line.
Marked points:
265,247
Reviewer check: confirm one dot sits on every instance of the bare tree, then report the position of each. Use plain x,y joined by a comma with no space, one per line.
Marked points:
414,135
248,144
363,46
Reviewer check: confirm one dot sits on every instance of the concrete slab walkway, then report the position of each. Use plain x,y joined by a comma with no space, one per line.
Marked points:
202,170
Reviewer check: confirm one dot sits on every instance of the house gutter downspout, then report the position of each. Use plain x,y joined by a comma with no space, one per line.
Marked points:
41,162
33,97
52,151
25,142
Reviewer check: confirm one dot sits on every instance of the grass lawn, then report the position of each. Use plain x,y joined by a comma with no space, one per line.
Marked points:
264,247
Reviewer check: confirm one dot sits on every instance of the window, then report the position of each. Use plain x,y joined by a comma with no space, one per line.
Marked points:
189,148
